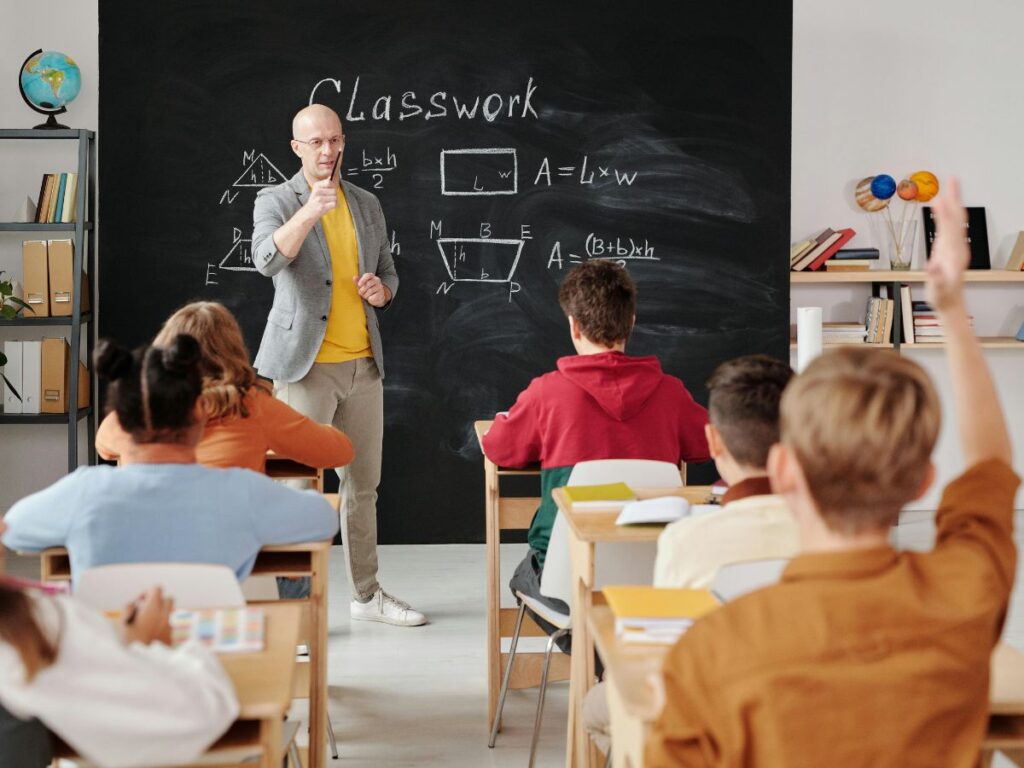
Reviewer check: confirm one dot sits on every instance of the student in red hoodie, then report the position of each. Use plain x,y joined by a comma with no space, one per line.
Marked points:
599,404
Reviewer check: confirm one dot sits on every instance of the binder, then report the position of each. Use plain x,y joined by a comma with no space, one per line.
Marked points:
12,377
70,195
62,275
55,377
30,372
36,280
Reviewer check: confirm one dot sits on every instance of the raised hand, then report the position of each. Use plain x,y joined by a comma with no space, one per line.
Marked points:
323,197
950,252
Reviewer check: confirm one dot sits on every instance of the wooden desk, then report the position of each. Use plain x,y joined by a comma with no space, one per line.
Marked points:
505,513
304,559
586,530
263,685
282,468
633,703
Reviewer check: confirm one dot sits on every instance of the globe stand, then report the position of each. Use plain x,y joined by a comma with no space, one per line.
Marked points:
51,123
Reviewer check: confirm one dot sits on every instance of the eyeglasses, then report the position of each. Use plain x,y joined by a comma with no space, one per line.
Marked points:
316,144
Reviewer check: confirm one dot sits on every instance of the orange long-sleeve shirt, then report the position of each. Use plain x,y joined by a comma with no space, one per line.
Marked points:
861,658
244,442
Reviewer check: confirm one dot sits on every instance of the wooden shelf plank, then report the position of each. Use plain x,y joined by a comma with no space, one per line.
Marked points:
988,342
915,276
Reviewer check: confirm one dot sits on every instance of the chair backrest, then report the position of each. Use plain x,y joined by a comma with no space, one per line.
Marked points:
615,563
737,579
556,578
639,473
192,585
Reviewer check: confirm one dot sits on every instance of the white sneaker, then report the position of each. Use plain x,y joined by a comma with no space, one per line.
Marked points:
386,609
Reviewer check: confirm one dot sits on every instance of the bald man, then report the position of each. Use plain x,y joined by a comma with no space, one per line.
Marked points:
324,244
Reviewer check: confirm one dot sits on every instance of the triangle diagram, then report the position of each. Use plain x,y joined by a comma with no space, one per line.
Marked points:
239,258
260,173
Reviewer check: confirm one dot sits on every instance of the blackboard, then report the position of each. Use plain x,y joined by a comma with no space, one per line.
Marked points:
657,133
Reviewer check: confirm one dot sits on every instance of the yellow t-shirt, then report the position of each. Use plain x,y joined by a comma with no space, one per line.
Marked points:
347,337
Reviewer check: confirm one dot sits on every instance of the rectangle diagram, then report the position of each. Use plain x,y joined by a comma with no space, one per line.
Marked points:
466,172
480,259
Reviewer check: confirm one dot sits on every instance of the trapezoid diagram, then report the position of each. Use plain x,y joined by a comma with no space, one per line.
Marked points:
480,259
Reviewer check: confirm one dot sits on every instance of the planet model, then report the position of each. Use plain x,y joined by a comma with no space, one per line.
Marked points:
883,186
907,190
927,185
865,199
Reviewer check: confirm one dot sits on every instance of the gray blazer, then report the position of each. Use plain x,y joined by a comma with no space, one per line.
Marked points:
302,286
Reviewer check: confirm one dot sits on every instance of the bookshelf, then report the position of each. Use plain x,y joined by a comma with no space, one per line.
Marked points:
83,234
894,279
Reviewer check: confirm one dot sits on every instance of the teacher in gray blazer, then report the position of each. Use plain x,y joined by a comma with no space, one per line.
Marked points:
324,244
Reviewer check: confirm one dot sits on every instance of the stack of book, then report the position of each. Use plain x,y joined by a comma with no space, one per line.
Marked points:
852,260
655,615
813,253
57,198
878,320
843,333
927,326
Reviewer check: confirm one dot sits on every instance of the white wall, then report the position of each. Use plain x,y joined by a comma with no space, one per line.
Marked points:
877,86
896,87
31,457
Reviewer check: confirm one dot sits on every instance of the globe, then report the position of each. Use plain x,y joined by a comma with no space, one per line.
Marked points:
49,81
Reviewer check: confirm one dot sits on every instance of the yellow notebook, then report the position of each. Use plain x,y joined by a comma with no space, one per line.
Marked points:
606,496
642,602
654,615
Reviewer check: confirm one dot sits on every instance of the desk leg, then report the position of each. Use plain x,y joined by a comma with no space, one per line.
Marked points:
270,738
493,539
577,747
318,659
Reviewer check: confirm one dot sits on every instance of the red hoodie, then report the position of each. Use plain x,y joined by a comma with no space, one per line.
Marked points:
603,406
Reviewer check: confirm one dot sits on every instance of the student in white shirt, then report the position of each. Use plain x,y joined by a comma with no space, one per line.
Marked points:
753,523
119,697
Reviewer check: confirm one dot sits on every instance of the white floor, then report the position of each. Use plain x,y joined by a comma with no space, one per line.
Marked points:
417,696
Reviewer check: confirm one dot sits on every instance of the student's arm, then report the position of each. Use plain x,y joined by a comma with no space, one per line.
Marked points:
976,509
294,436
44,519
110,438
983,433
514,439
681,737
117,705
281,515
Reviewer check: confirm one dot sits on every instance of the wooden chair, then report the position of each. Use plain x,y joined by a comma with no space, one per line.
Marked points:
508,513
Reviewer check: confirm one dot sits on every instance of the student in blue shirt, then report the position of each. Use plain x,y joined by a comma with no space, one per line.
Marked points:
162,506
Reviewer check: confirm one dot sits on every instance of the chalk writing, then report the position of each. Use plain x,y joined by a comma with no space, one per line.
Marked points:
440,104
490,171
239,258
584,174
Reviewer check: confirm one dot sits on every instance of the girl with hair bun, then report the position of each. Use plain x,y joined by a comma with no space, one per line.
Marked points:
242,419
162,505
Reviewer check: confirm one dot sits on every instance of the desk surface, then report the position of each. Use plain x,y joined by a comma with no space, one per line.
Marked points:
630,667
594,525
263,680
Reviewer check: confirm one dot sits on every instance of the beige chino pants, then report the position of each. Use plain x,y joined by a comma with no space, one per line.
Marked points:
350,396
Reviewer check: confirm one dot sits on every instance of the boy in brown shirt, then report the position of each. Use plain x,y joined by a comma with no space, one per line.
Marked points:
863,655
